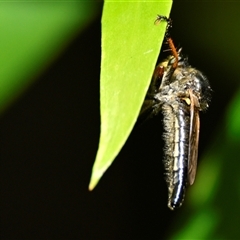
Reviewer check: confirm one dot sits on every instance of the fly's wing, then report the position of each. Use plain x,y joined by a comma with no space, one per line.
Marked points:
193,138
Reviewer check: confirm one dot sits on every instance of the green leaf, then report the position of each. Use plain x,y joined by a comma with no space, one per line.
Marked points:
130,46
32,36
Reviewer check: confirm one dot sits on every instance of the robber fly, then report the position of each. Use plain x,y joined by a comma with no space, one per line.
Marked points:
179,91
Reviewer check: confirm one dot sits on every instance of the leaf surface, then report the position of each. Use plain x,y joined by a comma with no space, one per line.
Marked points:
130,46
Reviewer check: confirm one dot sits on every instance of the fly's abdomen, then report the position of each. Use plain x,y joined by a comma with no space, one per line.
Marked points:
176,125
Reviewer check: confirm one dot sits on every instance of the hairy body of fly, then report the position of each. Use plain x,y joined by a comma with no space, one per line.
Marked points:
179,93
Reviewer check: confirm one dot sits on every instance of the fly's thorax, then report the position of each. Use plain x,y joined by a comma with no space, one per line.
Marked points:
188,78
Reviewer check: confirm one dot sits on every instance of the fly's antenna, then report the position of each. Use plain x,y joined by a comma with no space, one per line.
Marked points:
168,37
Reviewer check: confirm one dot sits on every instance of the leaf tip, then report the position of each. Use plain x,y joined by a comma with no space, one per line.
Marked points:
92,184
96,176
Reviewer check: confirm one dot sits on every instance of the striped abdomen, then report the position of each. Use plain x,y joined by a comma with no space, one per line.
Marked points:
176,118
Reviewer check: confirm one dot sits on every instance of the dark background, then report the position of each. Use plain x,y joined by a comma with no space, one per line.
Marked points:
49,139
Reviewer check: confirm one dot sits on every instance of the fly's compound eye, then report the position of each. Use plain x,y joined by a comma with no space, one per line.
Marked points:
197,83
201,89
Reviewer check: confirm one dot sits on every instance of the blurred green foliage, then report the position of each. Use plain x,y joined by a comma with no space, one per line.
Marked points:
33,34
